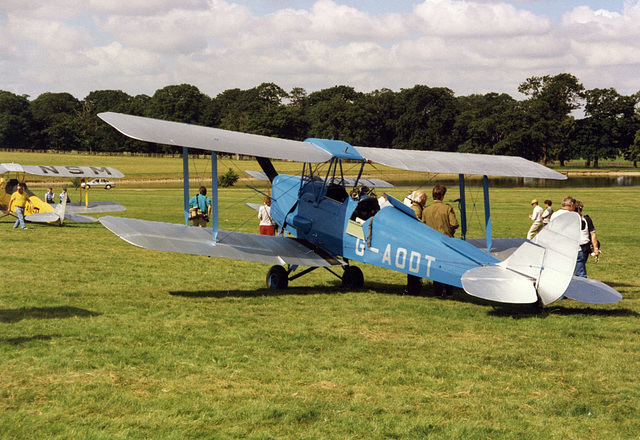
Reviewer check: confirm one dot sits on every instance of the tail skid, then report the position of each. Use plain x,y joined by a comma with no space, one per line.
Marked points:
540,270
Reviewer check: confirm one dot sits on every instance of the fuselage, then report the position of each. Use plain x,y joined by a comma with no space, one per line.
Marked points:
393,238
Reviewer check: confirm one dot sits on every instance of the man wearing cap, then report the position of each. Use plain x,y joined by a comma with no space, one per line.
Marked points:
536,217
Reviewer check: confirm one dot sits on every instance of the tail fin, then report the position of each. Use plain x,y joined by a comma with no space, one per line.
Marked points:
60,211
542,269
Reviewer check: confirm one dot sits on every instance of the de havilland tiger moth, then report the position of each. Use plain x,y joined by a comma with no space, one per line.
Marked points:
316,209
11,174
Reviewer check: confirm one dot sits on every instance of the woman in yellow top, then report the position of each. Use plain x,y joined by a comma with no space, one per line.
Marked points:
19,200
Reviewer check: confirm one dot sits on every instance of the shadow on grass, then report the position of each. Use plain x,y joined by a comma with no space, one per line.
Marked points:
15,315
532,311
331,289
25,339
290,291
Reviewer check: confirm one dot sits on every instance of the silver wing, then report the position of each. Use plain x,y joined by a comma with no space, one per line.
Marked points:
94,207
458,163
235,245
213,139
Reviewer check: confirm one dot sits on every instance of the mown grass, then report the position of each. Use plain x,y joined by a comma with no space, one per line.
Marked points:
103,340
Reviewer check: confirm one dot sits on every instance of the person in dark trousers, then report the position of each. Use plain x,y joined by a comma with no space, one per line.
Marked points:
441,217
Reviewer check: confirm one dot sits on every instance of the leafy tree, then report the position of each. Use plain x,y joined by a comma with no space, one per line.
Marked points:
182,103
425,119
342,93
298,97
547,113
331,113
376,119
633,152
608,128
486,124
15,121
55,121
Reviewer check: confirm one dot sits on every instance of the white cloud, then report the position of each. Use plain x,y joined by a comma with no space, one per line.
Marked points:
478,19
469,46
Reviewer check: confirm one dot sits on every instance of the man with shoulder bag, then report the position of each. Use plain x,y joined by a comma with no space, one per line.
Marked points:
200,208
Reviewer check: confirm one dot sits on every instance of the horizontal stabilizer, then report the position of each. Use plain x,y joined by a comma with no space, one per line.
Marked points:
501,248
94,208
43,217
79,218
495,283
234,245
255,206
591,291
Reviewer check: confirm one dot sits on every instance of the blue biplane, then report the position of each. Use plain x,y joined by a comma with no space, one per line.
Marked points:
318,211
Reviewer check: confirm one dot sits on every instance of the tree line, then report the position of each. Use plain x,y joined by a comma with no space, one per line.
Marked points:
540,126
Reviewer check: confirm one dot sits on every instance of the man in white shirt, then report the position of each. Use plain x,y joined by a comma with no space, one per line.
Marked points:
536,217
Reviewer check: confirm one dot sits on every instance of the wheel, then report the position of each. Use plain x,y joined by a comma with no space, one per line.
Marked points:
107,187
277,278
87,186
352,277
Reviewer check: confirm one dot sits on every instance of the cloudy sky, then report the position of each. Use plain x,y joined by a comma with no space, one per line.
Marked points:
470,46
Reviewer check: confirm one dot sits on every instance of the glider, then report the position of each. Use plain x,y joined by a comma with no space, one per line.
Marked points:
317,210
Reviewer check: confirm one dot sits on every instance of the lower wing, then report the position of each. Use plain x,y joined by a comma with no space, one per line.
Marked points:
94,207
234,245
52,217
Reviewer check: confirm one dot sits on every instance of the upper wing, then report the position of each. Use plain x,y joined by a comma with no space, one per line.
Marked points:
213,139
61,171
235,245
458,163
321,150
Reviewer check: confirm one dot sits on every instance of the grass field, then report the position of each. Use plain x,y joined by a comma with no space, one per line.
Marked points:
103,340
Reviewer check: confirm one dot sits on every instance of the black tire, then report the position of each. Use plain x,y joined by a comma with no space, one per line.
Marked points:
277,278
87,186
352,277
107,187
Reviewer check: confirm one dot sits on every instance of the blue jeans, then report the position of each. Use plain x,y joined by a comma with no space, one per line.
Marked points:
581,265
20,221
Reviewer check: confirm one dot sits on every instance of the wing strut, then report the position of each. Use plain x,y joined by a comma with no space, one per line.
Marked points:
267,167
463,208
185,177
214,195
487,212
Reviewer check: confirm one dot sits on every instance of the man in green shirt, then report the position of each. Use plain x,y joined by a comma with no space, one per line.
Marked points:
441,217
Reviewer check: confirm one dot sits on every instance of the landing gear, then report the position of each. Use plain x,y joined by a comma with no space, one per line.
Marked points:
352,277
277,277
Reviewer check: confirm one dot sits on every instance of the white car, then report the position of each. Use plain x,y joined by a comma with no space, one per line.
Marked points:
99,183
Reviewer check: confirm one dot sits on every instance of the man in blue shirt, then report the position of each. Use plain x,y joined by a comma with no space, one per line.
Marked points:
203,203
